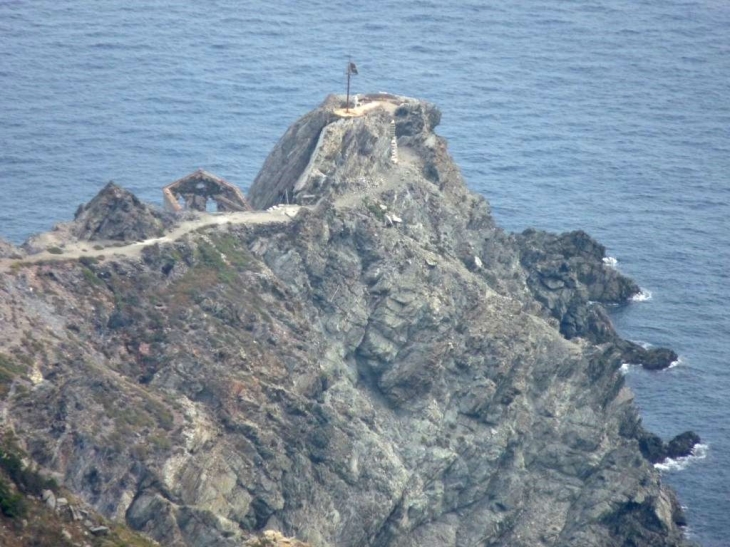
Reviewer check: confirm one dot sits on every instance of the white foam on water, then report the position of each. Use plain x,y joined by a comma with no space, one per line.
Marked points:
610,261
643,296
675,363
699,452
625,368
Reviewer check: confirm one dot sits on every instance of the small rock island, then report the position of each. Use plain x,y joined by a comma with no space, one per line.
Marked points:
353,355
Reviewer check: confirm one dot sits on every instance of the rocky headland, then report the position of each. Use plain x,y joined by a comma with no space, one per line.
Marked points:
377,365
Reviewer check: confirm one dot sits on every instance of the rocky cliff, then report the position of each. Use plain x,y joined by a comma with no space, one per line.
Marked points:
388,368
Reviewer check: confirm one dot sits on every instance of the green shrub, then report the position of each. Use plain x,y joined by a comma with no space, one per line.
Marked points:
9,366
374,209
55,250
11,504
91,277
28,481
236,253
160,442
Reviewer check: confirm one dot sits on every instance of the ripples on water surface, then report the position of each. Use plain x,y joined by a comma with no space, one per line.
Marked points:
610,116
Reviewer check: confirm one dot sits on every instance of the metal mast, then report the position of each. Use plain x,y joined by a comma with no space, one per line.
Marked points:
351,70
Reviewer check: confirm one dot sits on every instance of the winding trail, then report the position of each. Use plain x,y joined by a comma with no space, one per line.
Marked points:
76,250
73,250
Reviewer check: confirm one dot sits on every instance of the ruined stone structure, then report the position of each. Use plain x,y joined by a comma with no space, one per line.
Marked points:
197,188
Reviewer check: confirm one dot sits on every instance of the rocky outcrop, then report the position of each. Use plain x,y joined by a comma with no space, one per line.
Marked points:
8,250
568,275
117,214
32,514
655,450
345,378
649,358
574,261
290,157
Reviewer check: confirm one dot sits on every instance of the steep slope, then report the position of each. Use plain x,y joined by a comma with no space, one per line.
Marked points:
34,511
385,369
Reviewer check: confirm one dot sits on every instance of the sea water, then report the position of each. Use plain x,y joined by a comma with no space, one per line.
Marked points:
609,116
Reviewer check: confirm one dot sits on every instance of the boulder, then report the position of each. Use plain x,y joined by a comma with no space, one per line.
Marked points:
655,450
683,444
649,358
49,498
99,530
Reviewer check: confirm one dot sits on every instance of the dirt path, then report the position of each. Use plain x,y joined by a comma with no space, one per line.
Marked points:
76,250
280,214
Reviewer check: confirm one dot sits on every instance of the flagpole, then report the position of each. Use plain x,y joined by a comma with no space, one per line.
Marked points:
351,69
347,104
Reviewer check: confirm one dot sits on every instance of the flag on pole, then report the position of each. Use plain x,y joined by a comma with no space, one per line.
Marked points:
351,68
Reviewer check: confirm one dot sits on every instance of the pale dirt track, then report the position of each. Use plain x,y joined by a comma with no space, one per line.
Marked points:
282,214
79,249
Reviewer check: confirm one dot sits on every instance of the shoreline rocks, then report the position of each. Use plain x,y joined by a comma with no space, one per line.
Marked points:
569,276
656,451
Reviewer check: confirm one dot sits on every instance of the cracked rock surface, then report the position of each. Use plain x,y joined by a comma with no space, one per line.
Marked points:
343,379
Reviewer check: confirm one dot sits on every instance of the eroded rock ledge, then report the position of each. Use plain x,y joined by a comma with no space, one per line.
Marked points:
387,368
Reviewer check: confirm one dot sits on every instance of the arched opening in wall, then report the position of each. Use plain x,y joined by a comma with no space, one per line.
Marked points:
203,191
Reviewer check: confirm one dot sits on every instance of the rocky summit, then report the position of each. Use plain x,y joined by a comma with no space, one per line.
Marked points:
117,214
366,360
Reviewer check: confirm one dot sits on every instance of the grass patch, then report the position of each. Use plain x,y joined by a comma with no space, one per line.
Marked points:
9,370
91,278
15,267
55,250
210,257
159,442
162,415
211,268
135,418
236,254
134,413
374,209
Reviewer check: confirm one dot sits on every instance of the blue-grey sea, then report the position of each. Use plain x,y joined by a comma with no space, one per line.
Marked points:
611,116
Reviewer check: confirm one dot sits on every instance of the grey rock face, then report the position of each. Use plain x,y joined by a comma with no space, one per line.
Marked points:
289,159
117,214
345,379
567,275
